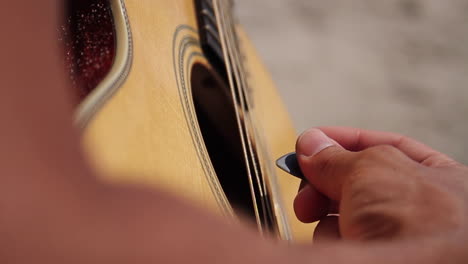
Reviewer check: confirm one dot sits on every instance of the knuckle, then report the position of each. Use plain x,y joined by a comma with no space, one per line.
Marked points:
381,152
438,160
380,157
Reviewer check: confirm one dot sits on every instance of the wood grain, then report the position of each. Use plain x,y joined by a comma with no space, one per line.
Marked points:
142,134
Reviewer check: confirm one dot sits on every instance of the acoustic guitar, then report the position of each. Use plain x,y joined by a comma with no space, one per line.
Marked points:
172,94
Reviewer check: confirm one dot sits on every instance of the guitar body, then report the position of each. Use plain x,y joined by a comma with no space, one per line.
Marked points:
142,122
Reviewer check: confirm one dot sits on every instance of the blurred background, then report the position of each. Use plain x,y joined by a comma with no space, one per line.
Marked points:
394,65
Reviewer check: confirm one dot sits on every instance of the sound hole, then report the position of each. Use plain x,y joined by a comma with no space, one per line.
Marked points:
218,124
88,37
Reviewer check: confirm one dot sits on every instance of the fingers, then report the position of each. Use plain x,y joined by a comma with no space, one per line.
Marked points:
323,163
310,205
355,139
327,230
328,166
373,183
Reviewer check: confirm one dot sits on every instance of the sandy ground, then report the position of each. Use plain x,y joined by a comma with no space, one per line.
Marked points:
394,65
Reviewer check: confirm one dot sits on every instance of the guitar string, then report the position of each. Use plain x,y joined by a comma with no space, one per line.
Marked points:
238,85
277,216
253,138
244,115
261,148
251,117
241,69
240,80
218,13
250,132
245,104
245,129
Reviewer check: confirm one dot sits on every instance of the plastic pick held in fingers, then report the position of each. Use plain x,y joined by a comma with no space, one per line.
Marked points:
289,164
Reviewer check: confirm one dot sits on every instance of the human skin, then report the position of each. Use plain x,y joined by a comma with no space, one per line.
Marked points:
53,208
385,187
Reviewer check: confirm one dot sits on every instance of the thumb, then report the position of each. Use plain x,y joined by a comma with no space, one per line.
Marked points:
328,166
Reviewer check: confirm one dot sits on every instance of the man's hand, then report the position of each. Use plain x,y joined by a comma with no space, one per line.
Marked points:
383,186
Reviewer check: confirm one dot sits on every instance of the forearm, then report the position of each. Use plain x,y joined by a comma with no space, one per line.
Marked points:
185,234
39,151
42,170
133,225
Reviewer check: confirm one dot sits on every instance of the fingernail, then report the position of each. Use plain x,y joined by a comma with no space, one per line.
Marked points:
312,142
